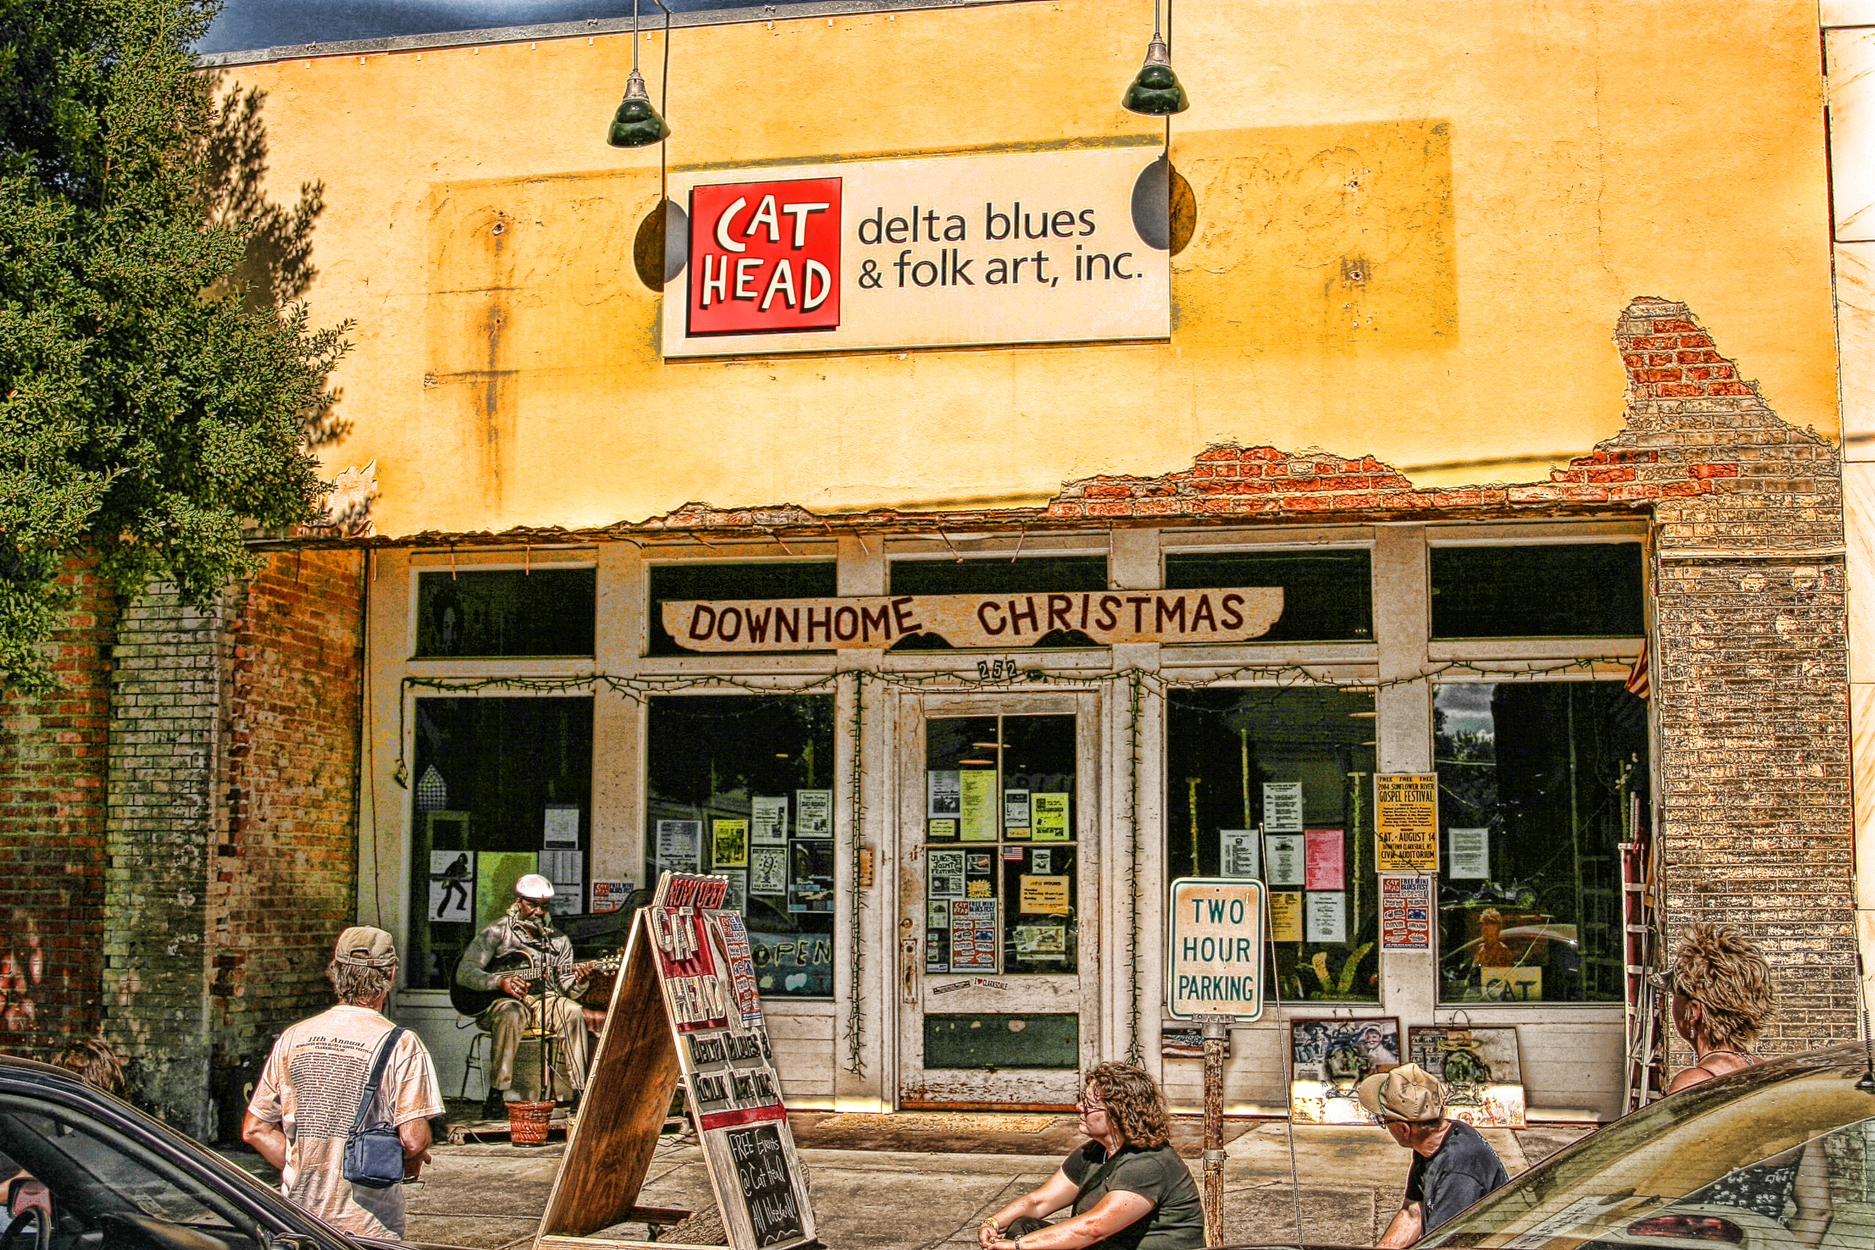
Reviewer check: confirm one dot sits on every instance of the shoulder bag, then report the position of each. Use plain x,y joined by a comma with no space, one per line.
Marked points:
374,1157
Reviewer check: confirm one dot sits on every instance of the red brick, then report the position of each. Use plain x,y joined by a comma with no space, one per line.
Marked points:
1681,390
1699,358
1674,325
1712,470
1729,388
1656,375
1694,340
1611,475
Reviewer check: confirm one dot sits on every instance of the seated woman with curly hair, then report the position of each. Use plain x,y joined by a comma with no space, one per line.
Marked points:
1128,1187
1721,997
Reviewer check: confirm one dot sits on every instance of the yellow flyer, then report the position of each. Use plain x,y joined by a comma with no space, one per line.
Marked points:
978,801
1285,915
729,843
1406,822
1050,814
1043,896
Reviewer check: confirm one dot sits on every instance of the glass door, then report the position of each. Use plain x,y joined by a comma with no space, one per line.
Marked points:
998,936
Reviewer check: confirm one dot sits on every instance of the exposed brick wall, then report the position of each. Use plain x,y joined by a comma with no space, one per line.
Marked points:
52,780
285,863
167,742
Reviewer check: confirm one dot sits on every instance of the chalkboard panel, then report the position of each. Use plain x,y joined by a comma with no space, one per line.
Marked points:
767,1190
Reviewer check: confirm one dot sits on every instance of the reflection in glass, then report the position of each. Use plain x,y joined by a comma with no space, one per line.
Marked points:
1537,784
742,785
1278,783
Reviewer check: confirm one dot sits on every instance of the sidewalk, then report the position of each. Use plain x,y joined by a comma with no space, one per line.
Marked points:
897,1193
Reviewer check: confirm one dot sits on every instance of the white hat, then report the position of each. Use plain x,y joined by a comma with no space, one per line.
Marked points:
534,888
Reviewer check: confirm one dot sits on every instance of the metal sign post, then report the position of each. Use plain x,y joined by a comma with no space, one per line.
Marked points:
1214,976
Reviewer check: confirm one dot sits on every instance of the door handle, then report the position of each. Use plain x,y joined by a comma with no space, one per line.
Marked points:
908,992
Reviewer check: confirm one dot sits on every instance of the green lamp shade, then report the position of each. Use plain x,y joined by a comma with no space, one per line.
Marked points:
636,124
1155,92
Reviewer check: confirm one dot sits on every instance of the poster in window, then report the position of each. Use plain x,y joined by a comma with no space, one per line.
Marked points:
1049,812
1016,813
680,845
729,844
1325,916
980,874
1282,806
944,874
813,813
1405,912
810,875
1406,822
1469,853
609,896
1042,895
495,875
1239,853
567,871
943,792
1041,941
941,830
560,829
1511,985
768,819
973,934
1040,858
1481,1070
768,871
1330,1058
1324,867
452,886
976,817
737,897
1283,853
1285,915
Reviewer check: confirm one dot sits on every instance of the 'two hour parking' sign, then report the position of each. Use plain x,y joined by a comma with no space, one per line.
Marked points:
1214,954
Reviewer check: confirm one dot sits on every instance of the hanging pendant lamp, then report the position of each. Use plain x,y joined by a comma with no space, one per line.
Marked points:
636,124
1155,91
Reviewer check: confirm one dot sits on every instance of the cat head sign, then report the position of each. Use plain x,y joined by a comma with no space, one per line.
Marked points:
1025,247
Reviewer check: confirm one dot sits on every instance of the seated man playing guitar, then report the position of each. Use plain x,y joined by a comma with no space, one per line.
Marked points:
519,971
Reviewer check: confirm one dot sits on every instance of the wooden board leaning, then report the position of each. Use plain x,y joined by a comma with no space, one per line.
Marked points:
685,1008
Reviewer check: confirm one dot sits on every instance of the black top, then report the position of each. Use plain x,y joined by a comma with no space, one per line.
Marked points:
1462,1170
1155,1173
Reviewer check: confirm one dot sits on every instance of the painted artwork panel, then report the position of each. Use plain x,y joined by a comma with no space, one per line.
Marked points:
1481,1068
1330,1058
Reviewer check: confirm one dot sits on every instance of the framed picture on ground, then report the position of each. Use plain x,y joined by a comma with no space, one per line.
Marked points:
1480,1067
1330,1058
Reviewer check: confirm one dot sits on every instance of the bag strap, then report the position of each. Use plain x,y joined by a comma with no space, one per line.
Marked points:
377,1074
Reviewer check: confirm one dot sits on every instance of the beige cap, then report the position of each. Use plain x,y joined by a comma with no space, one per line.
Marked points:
1408,1092
534,887
366,947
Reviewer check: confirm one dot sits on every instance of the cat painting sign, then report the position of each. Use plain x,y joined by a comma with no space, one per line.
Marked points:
1214,956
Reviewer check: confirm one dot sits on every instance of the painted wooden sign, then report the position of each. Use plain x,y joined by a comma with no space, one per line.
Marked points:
685,1008
1228,614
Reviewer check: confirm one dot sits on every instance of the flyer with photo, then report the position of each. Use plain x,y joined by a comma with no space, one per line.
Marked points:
768,819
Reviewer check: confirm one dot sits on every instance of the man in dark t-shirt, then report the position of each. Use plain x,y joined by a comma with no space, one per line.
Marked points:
1453,1166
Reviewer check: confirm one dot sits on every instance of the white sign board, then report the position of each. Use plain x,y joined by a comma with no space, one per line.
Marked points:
1214,955
987,248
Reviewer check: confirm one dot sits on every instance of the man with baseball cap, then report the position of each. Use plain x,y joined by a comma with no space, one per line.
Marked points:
308,1094
512,956
1453,1166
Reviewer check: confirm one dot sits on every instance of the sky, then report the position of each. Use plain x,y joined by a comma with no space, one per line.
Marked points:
248,24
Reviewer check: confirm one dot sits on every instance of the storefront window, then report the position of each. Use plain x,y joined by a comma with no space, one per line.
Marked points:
772,579
1538,782
1278,784
742,785
500,787
1328,596
1026,575
1541,590
504,612
1001,832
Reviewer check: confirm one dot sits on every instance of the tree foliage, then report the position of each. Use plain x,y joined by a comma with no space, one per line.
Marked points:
155,395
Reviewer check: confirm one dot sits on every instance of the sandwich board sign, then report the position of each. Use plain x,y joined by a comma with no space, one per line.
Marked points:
685,1009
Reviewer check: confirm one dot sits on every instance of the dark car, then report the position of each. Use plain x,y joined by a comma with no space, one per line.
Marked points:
1780,1156
87,1171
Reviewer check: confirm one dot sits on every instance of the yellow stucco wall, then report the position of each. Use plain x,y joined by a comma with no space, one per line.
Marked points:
1509,173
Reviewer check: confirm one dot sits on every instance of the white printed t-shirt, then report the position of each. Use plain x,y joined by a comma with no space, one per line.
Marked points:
311,1087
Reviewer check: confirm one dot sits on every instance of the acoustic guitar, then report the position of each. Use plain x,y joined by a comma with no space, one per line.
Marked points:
473,1002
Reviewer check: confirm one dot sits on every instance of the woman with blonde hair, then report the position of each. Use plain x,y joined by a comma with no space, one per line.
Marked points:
1128,1187
1721,997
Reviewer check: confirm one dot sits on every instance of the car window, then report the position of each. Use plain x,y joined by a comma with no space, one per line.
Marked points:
1781,1156
91,1170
